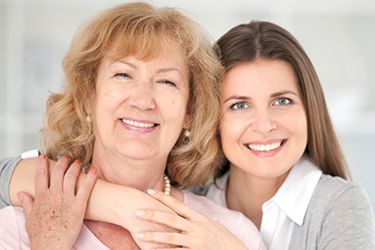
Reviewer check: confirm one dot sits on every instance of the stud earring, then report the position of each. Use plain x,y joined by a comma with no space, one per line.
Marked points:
187,134
88,118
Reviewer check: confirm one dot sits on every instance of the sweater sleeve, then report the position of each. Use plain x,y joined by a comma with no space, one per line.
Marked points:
7,167
349,222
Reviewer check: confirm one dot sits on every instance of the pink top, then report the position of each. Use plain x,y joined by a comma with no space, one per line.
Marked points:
14,236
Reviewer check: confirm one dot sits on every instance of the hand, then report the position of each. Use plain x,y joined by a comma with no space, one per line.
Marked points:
195,230
125,208
55,217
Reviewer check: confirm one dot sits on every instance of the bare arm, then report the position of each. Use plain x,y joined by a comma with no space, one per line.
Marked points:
108,202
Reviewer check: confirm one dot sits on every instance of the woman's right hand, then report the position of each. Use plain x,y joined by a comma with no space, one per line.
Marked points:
55,216
108,202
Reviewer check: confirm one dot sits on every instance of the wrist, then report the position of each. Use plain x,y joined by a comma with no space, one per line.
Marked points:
112,203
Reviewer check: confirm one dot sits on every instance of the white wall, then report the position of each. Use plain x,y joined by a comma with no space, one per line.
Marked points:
338,35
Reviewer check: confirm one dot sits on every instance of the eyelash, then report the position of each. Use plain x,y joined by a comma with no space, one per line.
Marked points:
126,75
234,106
167,82
290,101
122,75
244,105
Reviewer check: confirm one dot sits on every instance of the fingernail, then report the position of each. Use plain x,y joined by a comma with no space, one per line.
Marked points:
151,191
140,213
77,161
93,170
42,157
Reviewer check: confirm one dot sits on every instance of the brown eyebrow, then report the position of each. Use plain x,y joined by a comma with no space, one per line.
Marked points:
237,97
243,98
280,93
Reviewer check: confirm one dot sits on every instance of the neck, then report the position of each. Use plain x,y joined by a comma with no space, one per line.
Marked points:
139,174
257,191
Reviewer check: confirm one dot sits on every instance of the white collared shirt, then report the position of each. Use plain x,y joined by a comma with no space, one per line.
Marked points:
286,208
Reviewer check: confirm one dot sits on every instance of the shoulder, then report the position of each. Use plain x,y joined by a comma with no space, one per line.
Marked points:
7,167
234,221
344,201
339,216
12,231
337,192
335,197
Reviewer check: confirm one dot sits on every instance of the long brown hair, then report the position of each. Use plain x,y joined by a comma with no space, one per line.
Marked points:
259,39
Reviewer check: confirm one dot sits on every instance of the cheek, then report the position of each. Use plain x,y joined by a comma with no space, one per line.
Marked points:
230,129
173,105
298,125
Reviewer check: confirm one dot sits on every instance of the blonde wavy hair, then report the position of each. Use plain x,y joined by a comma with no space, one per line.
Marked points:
138,29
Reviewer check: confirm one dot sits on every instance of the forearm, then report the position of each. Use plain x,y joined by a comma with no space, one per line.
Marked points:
108,202
22,179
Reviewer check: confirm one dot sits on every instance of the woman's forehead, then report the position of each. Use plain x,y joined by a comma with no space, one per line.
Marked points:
142,47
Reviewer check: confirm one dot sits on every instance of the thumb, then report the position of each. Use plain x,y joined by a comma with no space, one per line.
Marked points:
27,202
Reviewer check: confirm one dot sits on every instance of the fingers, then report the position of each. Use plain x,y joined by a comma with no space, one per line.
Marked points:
171,220
57,173
71,177
41,175
176,239
176,205
87,186
26,201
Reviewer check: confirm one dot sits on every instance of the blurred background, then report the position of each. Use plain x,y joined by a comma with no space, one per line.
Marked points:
339,36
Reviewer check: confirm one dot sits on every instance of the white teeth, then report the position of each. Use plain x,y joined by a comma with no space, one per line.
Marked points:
264,147
138,124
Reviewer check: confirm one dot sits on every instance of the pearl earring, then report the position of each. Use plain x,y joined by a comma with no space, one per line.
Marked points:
187,133
88,118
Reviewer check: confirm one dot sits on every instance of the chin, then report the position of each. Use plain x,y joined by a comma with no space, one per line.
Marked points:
137,152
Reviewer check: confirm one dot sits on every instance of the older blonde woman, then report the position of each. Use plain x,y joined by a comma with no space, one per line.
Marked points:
139,108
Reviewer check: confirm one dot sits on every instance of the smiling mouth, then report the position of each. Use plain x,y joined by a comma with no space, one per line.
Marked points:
265,147
139,124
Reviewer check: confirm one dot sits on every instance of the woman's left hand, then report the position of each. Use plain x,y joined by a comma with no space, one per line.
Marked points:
196,231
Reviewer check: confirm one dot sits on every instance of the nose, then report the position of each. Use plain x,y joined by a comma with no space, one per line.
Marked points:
142,97
263,122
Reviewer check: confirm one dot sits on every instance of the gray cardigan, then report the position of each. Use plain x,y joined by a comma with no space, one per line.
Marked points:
339,216
7,167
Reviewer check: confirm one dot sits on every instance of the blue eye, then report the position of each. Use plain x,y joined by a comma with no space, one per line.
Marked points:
283,101
239,106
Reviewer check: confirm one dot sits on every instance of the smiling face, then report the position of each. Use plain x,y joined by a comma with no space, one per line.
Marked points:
263,125
140,105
